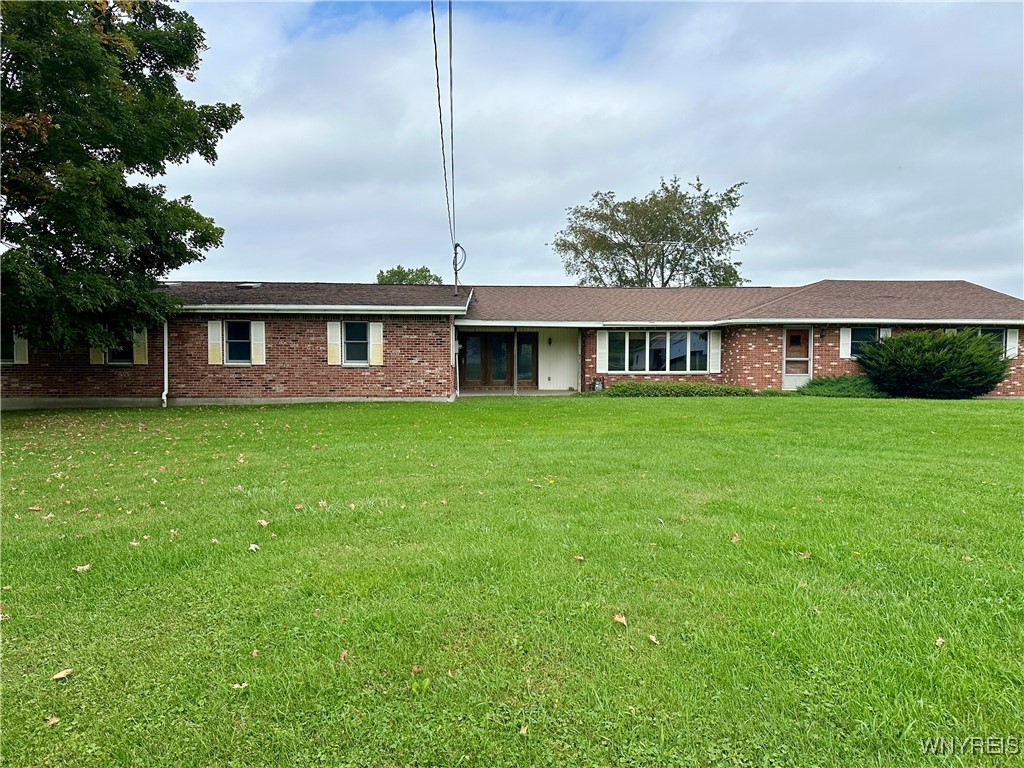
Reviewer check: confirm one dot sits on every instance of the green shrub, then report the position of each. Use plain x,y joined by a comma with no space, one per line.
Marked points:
675,389
841,386
934,364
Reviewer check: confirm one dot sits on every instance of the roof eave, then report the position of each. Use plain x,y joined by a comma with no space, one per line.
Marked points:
324,309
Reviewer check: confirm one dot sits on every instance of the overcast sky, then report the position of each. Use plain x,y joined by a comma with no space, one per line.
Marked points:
876,140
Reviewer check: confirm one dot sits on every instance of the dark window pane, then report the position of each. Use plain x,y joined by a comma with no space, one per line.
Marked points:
656,352
356,332
357,352
859,336
7,347
616,350
637,350
237,330
996,336
698,350
524,361
121,354
677,350
474,361
499,358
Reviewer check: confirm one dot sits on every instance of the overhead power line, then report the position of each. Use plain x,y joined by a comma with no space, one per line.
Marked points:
449,190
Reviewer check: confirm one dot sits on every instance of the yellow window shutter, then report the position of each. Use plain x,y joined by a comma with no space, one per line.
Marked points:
20,350
96,356
376,343
258,337
140,348
214,343
845,343
334,343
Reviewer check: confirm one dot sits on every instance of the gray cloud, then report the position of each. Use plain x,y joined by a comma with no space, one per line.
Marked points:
878,141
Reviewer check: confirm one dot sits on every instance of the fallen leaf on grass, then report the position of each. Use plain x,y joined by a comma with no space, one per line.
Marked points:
82,568
51,721
579,558
522,730
967,558
444,502
145,538
134,543
263,523
298,507
254,547
343,656
804,555
48,517
415,670
273,535
653,639
734,538
239,686
620,618
214,541
254,653
939,642
64,674
323,504
35,508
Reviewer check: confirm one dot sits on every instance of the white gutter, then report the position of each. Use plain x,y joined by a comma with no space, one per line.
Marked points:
325,309
974,322
466,322
163,395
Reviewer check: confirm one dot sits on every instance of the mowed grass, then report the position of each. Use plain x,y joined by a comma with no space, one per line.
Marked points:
417,597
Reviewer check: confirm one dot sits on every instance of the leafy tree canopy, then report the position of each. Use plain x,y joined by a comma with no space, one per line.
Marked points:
402,276
89,105
674,236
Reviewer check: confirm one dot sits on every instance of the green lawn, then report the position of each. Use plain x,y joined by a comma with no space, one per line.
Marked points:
418,596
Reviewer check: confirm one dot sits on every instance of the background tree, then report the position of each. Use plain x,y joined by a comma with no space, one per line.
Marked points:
401,276
674,236
89,98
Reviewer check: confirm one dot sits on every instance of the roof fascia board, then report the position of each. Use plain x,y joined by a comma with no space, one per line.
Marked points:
324,309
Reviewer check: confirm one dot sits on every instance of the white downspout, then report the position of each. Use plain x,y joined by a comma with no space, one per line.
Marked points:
163,395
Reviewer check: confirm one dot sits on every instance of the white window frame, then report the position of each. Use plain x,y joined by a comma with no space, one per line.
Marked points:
713,340
345,360
227,344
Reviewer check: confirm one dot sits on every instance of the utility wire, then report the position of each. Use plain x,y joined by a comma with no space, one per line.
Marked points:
440,114
451,114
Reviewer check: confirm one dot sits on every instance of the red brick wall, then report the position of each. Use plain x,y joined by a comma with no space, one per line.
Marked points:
752,357
417,363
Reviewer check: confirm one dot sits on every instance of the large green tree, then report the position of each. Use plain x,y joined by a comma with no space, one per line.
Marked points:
91,113
407,276
673,236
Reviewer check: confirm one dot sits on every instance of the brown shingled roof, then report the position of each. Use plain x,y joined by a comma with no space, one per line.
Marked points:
594,306
827,300
411,297
890,300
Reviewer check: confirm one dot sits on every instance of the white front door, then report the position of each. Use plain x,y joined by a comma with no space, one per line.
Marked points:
796,357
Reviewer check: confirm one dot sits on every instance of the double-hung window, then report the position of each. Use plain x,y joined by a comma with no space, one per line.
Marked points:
663,351
356,343
13,349
238,342
123,353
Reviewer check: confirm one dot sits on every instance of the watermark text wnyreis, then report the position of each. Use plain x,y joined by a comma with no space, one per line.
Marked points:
971,745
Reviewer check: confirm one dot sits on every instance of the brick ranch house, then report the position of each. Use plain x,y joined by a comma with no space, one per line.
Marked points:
289,342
